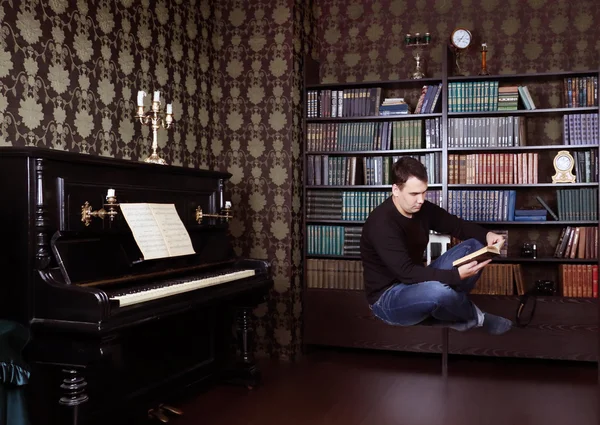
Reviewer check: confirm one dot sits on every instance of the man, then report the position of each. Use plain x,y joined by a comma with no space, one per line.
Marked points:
399,288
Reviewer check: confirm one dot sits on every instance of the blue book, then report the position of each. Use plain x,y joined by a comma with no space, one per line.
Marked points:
530,218
531,212
512,201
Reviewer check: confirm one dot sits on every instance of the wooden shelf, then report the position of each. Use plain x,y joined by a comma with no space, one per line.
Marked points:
389,84
546,111
535,77
539,223
334,257
518,186
365,186
523,148
378,153
562,328
541,260
483,223
374,118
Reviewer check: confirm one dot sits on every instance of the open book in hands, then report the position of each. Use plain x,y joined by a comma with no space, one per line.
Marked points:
483,254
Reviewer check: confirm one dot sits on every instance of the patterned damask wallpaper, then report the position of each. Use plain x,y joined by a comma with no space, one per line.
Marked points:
364,40
260,67
70,72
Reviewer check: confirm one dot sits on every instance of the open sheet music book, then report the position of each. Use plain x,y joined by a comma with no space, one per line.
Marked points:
157,230
483,254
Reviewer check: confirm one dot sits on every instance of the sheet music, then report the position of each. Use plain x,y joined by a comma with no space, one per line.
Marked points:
157,230
174,232
145,230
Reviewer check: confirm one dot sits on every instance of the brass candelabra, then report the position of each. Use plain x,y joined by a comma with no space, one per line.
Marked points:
418,43
156,119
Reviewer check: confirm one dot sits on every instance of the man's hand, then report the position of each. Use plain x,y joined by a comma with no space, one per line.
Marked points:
493,238
470,269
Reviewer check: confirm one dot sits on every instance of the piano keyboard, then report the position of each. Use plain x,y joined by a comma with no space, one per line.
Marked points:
167,291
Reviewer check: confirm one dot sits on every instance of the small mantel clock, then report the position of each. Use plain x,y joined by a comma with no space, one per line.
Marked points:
563,165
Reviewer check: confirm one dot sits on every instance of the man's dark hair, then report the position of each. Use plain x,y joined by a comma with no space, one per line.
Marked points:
407,167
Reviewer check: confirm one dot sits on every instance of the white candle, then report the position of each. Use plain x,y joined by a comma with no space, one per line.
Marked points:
169,108
140,98
156,96
110,193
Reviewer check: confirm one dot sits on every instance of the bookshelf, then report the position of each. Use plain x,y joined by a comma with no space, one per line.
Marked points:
457,127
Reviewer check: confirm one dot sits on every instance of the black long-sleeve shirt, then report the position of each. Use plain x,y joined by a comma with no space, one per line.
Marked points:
392,246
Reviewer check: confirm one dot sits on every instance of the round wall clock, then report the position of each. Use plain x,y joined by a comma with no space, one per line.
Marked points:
461,38
563,165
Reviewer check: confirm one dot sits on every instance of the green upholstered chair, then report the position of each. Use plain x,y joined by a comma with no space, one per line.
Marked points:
14,373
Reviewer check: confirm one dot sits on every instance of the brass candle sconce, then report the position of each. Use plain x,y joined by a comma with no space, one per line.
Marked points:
110,211
225,213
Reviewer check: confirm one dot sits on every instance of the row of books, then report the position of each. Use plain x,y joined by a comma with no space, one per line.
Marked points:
483,205
350,205
381,135
334,274
495,279
508,98
473,96
394,106
578,280
429,99
580,91
478,96
359,102
326,170
467,96
586,166
333,240
493,168
580,129
575,280
342,205
477,132
577,204
577,242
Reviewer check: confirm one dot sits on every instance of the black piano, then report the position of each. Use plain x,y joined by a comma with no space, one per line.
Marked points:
113,335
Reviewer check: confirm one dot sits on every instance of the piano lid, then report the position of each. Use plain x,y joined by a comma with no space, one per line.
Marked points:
90,259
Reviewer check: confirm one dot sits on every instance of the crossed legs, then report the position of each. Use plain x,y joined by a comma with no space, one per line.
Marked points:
436,303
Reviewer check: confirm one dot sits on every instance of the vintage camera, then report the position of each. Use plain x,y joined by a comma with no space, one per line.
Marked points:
529,250
545,287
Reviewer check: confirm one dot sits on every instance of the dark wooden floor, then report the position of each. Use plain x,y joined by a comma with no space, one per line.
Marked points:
377,388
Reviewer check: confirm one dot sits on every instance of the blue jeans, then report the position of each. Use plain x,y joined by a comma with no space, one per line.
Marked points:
433,303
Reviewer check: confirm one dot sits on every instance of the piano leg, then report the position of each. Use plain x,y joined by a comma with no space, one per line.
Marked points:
245,372
73,390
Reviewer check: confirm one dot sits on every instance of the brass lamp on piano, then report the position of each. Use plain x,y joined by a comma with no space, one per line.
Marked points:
115,333
111,211
224,215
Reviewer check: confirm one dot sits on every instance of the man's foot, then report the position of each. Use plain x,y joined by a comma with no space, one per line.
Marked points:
496,325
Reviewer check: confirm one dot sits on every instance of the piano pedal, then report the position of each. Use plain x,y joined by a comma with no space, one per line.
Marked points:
158,414
171,409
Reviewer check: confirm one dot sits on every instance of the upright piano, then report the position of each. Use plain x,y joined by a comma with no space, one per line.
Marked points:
114,334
